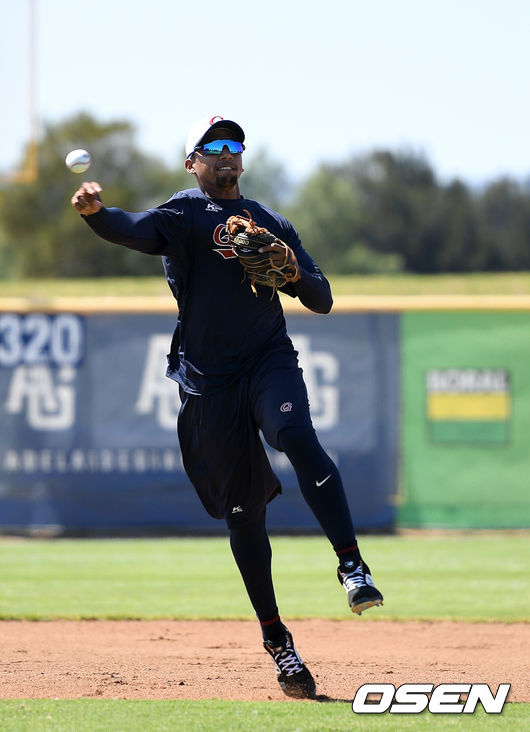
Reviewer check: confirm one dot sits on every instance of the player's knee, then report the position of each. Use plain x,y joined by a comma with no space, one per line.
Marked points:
294,440
244,522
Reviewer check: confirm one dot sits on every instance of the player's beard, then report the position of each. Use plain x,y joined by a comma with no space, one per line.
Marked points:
226,180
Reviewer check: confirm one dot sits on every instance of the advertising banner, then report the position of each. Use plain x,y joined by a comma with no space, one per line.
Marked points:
88,437
466,419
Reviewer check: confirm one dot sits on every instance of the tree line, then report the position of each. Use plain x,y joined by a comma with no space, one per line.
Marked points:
383,212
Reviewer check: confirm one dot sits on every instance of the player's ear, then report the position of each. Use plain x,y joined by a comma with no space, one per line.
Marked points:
189,165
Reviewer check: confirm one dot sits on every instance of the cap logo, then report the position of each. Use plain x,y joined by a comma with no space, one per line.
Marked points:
215,119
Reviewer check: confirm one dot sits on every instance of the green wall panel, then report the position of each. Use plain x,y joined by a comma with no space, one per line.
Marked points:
466,471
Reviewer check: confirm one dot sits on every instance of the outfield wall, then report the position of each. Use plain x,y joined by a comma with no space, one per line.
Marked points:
89,439
422,402
465,419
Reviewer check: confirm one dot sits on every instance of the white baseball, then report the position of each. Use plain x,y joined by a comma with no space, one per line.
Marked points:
78,161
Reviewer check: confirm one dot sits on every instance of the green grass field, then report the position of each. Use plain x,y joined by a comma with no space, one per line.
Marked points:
509,283
170,578
104,715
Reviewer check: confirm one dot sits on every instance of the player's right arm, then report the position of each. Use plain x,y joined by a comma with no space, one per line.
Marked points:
155,231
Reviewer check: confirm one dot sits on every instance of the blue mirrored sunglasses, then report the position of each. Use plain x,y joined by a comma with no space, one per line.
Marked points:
215,147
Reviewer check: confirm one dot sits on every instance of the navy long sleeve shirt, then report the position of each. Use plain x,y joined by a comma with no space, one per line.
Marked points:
222,326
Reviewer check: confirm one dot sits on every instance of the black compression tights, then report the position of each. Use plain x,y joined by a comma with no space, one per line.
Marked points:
322,489
252,551
320,483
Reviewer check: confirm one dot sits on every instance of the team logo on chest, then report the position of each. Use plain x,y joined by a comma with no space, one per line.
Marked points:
222,246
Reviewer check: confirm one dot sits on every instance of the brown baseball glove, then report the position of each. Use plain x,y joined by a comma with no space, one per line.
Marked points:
273,267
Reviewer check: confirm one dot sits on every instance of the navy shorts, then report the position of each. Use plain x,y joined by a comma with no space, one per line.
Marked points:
222,451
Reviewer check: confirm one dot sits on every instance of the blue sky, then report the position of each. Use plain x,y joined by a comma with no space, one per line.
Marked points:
310,81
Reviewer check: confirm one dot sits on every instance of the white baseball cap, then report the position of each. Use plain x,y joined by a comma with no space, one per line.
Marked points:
199,129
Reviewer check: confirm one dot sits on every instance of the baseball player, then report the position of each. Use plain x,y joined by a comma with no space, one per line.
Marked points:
238,372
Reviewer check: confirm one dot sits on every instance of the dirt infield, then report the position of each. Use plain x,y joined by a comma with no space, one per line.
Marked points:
224,659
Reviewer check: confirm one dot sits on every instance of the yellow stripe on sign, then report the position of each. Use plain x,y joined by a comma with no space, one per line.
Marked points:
477,405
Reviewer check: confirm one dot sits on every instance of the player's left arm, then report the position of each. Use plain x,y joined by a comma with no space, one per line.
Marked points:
312,288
